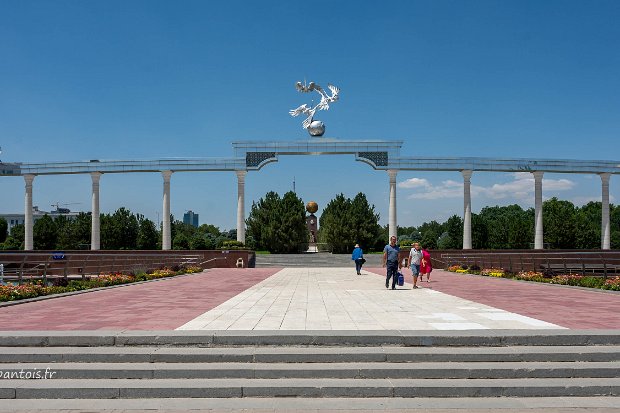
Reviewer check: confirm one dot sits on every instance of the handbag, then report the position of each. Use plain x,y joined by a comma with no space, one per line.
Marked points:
401,279
362,261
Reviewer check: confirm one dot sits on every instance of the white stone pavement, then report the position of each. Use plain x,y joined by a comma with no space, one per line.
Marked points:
338,299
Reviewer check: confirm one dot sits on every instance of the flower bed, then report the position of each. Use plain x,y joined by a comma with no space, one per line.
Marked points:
36,289
611,283
493,272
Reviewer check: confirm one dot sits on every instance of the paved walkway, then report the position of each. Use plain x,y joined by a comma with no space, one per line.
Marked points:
338,299
317,299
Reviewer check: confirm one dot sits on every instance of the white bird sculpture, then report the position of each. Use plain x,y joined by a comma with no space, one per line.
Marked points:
322,105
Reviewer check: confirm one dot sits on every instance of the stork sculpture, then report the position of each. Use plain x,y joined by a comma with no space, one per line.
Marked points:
315,127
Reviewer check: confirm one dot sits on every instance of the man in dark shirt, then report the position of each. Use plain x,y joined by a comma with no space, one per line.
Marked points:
390,261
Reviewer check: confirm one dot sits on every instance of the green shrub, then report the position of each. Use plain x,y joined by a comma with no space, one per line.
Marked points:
232,245
592,282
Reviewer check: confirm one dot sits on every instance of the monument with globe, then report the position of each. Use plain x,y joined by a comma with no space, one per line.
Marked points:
315,128
311,222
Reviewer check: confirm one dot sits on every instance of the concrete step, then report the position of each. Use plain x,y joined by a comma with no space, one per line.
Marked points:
422,370
310,364
223,388
295,354
601,404
314,260
279,404
345,338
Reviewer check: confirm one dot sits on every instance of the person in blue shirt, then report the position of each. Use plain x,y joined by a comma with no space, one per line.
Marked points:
390,261
358,257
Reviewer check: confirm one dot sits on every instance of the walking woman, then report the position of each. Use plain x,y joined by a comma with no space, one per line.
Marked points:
425,265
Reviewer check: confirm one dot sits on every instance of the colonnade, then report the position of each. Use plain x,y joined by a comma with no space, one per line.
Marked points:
392,173
538,211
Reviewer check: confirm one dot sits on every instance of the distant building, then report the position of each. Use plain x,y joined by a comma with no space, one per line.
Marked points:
16,219
190,218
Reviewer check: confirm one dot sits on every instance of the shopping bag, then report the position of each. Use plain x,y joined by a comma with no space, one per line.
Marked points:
401,279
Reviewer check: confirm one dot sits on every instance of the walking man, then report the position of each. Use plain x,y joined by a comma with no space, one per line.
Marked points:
415,257
390,261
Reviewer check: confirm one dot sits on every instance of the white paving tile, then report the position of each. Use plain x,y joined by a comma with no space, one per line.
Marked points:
505,316
458,326
337,299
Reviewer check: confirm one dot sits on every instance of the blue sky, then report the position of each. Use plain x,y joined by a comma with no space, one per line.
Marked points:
84,80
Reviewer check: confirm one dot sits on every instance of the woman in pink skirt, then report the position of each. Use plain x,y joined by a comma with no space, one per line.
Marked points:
425,265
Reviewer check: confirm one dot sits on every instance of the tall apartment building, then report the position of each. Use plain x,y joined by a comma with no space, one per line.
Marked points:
190,218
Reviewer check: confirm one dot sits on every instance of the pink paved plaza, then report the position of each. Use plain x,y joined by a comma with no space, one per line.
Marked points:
170,303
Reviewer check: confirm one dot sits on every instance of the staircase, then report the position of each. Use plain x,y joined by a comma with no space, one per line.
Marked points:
310,260
346,364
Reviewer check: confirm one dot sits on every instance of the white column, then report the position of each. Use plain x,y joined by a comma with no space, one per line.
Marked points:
393,230
166,242
241,205
95,231
28,222
466,209
605,225
538,212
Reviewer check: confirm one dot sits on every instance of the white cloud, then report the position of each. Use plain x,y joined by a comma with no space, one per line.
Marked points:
521,188
414,183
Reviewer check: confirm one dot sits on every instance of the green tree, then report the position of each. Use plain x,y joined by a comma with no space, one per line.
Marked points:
431,231
292,231
147,234
520,229
180,242
276,224
81,227
210,241
364,222
64,228
559,223
261,223
12,244
15,240
478,232
183,234
496,227
336,227
209,229
18,232
454,228
503,227
198,242
406,231
44,233
119,231
588,226
106,233
4,229
73,233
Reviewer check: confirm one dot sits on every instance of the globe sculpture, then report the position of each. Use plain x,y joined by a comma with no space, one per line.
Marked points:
312,223
316,128
312,207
